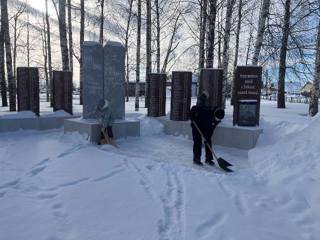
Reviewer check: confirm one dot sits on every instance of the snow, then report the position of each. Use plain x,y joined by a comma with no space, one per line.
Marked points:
59,186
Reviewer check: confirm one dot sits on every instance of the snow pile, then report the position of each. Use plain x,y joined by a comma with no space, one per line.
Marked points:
150,126
294,156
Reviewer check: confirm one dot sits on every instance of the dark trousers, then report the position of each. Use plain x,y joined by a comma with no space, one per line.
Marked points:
108,131
197,143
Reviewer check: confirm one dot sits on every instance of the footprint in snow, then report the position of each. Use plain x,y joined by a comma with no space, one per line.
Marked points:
45,196
36,171
206,228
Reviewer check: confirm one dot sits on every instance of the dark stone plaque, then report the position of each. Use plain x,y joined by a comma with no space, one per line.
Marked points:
247,92
157,95
181,96
211,80
28,89
62,91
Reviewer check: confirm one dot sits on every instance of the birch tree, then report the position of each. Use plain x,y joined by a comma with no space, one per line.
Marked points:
203,24
264,11
138,56
63,36
211,33
283,55
70,36
226,40
82,19
6,35
3,83
314,101
148,50
48,27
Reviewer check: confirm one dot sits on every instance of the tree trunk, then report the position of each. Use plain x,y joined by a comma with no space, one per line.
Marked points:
82,19
3,84
45,59
127,47
11,80
314,101
203,24
138,57
283,56
264,12
63,35
70,36
101,22
250,39
235,62
158,35
49,54
219,40
148,51
211,33
226,41
28,40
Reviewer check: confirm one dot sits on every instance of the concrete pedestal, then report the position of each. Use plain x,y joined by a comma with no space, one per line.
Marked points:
225,135
91,129
18,122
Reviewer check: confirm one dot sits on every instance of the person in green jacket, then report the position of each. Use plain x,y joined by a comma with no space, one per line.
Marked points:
105,118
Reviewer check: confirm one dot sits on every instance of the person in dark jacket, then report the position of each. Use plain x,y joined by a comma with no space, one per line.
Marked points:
206,119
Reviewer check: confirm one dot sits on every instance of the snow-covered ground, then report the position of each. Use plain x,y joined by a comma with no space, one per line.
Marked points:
55,186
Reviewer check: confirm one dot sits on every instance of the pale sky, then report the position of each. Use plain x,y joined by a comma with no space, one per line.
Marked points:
38,4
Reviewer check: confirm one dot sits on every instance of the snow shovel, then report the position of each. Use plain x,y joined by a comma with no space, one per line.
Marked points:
223,164
107,139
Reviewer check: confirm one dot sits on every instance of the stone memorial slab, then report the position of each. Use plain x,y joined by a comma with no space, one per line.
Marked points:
247,89
181,96
28,89
211,80
157,95
62,91
92,57
114,77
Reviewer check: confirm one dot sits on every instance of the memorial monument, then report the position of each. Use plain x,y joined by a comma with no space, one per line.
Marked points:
157,94
247,96
181,96
28,89
62,91
103,78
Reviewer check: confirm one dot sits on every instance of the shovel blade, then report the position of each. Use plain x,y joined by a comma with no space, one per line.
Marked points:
223,164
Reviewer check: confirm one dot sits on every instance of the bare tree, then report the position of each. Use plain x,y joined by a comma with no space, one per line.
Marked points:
235,62
283,55
127,45
138,56
101,38
203,24
211,33
158,28
49,53
226,40
261,29
82,19
3,84
16,33
63,35
45,58
148,50
70,36
314,101
11,80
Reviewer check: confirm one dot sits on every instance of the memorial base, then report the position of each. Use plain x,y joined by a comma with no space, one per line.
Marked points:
18,122
91,129
244,138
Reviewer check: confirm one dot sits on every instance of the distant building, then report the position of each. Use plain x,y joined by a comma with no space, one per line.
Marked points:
306,90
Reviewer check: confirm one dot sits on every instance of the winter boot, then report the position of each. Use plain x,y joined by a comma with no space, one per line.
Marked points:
197,161
210,162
